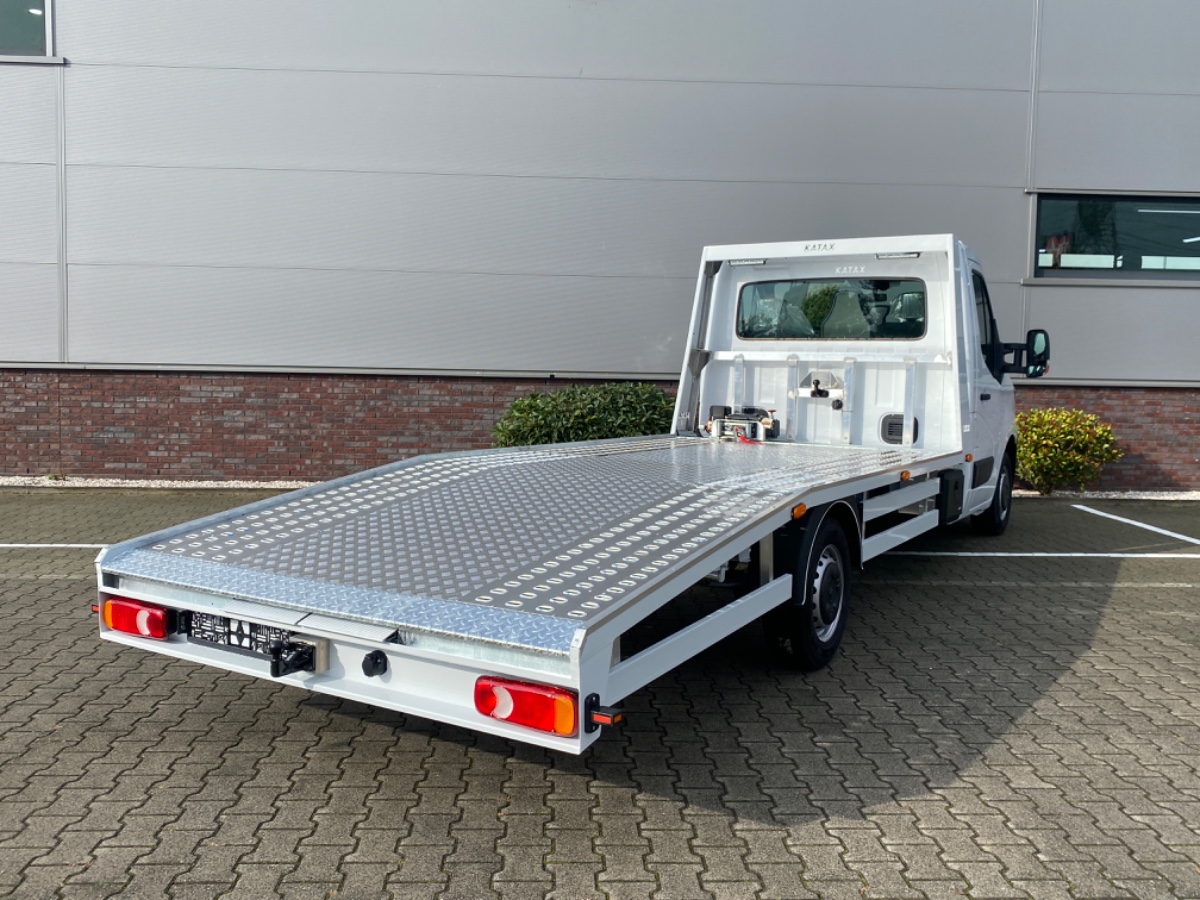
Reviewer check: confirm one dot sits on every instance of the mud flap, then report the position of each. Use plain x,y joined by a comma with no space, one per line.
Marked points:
950,497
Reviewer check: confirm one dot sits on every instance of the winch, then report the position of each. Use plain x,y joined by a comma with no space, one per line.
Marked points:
751,424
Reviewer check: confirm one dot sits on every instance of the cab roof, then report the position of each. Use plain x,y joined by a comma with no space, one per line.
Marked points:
918,243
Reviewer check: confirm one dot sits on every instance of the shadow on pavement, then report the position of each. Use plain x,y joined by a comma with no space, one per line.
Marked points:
943,657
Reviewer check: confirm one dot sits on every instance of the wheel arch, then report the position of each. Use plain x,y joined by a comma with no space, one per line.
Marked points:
846,515
793,542
792,630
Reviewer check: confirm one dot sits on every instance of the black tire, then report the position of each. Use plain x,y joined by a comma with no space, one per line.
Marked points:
994,520
805,633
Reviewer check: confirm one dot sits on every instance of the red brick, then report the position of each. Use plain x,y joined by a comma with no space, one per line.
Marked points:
258,426
1158,429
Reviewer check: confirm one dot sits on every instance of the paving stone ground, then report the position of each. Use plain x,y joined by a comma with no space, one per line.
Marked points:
994,727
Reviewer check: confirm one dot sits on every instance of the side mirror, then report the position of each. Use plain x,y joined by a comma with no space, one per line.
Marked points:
1032,358
1037,353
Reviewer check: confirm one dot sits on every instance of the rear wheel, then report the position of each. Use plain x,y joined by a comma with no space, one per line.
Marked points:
805,633
995,518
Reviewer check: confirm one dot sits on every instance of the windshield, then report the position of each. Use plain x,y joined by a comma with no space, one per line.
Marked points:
864,309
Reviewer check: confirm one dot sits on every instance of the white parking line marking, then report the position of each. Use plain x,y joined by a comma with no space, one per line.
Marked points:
1051,555
52,546
1178,537
887,582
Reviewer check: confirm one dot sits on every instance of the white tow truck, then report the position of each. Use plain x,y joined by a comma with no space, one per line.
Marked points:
837,398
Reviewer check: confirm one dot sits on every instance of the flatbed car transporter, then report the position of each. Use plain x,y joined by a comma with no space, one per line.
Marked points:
837,398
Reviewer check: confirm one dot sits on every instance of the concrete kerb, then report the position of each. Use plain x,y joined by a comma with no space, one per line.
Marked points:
46,481
1114,495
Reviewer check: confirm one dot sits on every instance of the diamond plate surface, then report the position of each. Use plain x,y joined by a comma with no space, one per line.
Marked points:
402,611
556,532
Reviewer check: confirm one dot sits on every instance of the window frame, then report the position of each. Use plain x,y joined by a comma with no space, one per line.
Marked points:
48,55
993,355
1048,273
742,286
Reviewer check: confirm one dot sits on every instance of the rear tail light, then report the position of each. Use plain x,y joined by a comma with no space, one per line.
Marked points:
539,706
136,617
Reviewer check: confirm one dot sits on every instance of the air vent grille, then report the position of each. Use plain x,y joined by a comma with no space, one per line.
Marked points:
891,429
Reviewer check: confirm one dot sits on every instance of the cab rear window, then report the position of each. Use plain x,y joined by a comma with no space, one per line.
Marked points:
828,308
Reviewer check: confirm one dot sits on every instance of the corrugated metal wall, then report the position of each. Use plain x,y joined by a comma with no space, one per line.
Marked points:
525,187
29,301
1119,109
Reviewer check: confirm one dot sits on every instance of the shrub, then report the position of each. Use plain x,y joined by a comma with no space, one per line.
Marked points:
1057,447
585,413
818,303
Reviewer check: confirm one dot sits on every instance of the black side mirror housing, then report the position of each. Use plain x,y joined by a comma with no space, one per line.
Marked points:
1037,353
1032,358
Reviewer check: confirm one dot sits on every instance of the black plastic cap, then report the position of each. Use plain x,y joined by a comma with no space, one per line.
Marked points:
374,663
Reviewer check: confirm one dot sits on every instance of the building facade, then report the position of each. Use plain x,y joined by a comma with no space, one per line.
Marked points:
301,237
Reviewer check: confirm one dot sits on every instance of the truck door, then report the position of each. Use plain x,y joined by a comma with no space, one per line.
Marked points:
992,403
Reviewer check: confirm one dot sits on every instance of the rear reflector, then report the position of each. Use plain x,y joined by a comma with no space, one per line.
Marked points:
135,617
539,706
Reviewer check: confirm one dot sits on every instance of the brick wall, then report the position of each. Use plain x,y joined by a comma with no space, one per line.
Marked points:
235,425
1158,429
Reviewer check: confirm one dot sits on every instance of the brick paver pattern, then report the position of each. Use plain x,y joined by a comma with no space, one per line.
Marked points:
994,727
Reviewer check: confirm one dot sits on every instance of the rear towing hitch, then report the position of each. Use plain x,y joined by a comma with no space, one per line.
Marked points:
294,656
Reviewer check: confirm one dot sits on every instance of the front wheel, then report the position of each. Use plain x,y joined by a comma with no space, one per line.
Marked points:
995,518
805,633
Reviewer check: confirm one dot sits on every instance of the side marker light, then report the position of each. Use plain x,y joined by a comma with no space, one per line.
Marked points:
606,716
595,715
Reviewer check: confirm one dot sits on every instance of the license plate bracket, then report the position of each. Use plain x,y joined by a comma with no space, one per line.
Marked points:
237,635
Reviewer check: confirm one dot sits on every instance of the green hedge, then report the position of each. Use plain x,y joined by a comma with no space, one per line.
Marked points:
585,413
1057,447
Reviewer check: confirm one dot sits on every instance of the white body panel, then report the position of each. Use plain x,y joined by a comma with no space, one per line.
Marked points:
990,397
919,378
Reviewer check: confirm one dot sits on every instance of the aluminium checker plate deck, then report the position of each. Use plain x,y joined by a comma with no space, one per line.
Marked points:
515,547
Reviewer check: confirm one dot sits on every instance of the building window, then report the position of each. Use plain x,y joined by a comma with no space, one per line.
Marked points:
1117,237
26,28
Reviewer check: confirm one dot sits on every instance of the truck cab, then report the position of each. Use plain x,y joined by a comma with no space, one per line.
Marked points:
875,342
992,440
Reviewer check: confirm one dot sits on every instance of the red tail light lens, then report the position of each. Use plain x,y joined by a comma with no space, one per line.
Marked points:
539,706
135,617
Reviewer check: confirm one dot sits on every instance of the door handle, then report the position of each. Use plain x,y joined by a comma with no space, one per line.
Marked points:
985,396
